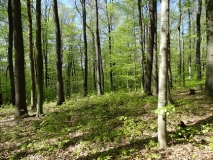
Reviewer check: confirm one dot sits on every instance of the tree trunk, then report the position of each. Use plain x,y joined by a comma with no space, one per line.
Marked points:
98,53
39,60
141,43
32,70
20,93
10,54
198,62
179,42
155,58
85,48
209,57
149,61
60,88
190,44
163,73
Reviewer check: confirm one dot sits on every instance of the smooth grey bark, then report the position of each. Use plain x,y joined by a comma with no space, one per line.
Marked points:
60,87
98,53
20,93
32,65
163,73
39,60
198,61
149,61
10,54
209,57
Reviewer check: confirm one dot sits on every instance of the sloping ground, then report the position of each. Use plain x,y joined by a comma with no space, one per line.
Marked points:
113,126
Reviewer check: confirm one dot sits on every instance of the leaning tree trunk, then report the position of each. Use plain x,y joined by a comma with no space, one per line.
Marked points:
32,70
39,60
60,88
10,54
198,62
209,58
163,73
20,93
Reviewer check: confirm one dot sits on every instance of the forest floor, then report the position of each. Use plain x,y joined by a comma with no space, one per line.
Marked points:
114,126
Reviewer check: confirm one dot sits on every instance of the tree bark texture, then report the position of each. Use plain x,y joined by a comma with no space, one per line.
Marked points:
32,65
198,61
10,54
60,88
98,53
209,57
85,49
20,93
163,73
149,62
39,60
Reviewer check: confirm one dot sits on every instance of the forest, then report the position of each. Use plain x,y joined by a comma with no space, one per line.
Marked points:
106,79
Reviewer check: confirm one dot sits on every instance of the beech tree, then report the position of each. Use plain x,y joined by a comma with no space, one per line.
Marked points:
39,60
198,61
209,57
99,75
32,65
10,54
163,73
60,89
20,94
149,62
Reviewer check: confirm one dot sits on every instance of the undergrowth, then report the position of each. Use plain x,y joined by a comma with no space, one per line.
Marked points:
113,126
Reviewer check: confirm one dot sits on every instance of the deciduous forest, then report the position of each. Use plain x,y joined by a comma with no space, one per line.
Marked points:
106,79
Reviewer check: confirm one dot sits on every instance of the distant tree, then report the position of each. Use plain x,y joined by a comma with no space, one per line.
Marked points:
10,54
198,61
163,73
32,65
209,58
39,60
60,88
20,94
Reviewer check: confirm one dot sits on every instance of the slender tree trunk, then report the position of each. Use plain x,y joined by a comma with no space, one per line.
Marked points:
109,26
169,76
179,42
155,58
198,62
10,54
98,53
141,43
209,57
20,93
149,62
163,73
39,60
85,48
32,67
60,88
190,45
